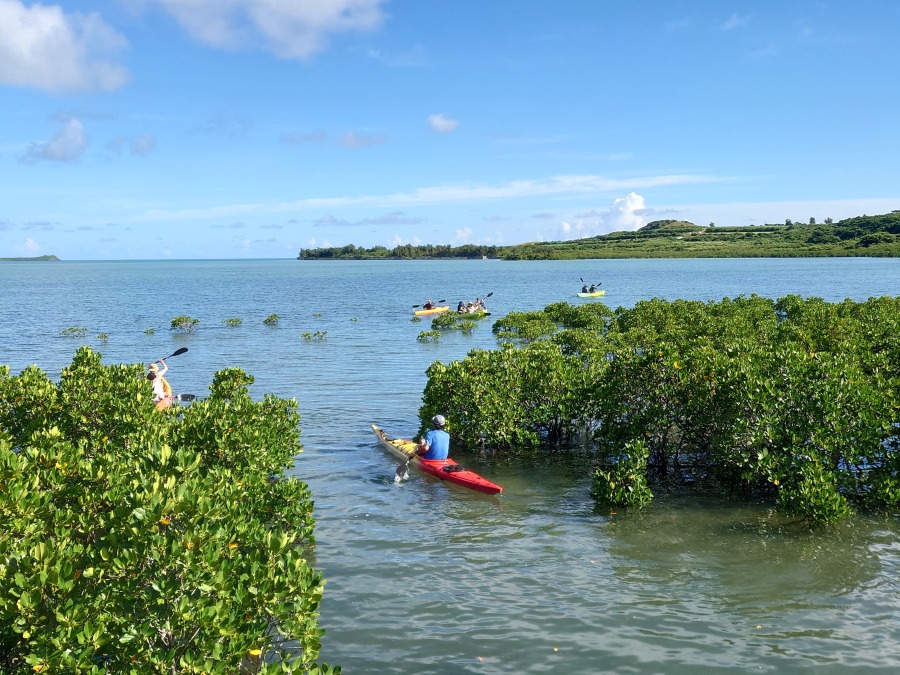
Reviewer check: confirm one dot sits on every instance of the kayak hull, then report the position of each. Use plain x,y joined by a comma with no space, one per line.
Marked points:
595,294
433,310
443,469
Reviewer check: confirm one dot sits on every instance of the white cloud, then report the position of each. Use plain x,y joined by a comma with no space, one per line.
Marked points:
42,47
289,29
464,235
441,124
624,214
29,246
68,145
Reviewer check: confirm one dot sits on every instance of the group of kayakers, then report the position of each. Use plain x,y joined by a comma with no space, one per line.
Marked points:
471,307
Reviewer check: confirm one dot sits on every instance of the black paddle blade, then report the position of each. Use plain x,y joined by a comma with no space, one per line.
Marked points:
177,352
488,295
402,472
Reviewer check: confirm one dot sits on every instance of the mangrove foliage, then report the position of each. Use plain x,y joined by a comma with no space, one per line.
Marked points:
795,400
141,541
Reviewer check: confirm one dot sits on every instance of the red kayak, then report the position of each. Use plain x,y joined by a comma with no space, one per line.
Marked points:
445,469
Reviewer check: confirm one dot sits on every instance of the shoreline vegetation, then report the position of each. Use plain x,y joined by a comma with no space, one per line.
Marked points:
860,236
40,258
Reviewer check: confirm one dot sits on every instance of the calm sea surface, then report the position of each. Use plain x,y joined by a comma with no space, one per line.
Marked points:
424,578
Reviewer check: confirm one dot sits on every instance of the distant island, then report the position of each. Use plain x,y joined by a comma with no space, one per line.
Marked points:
872,236
40,258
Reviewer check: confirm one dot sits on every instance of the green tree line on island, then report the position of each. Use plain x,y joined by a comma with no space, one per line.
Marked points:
140,541
40,258
877,236
795,401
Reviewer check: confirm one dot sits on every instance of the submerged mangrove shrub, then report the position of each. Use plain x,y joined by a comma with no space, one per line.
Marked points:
141,541
466,327
796,400
184,324
624,482
429,336
446,321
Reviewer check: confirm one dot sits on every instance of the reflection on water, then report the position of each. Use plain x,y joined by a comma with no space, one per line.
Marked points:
427,578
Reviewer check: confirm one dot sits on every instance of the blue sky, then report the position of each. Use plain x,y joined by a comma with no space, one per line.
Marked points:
134,129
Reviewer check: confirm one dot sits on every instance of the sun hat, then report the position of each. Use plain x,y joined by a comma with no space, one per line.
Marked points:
153,368
438,420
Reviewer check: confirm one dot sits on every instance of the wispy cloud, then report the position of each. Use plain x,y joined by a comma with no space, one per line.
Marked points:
223,125
303,138
141,145
351,139
410,58
444,194
442,124
393,218
734,21
68,145
43,47
290,30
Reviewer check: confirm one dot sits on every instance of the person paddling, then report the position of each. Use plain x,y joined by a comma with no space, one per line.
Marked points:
162,391
435,444
584,289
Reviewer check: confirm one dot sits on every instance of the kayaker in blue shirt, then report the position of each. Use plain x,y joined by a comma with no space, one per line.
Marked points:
435,444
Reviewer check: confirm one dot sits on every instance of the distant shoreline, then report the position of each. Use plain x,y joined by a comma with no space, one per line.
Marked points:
40,258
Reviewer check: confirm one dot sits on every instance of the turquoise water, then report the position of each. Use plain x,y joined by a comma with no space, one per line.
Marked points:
423,578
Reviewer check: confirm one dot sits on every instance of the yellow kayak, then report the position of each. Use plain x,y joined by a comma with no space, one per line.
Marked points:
433,310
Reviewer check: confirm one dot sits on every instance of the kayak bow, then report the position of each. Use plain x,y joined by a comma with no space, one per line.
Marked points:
444,469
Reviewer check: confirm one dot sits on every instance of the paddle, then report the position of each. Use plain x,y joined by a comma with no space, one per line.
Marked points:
438,302
402,472
182,350
184,397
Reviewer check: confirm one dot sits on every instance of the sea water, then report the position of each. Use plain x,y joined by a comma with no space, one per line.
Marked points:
426,578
